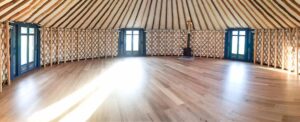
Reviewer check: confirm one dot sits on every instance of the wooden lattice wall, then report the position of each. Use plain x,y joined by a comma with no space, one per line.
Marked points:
62,45
277,48
4,55
274,48
208,43
165,42
171,42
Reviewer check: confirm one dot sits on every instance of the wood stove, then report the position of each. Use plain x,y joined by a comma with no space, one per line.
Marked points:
187,51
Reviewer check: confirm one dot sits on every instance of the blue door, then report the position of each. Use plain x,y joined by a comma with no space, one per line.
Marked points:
24,48
239,44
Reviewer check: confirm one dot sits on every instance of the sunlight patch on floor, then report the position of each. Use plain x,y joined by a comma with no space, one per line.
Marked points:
125,76
237,79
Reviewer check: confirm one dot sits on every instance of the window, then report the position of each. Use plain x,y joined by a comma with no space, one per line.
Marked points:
238,42
27,45
132,40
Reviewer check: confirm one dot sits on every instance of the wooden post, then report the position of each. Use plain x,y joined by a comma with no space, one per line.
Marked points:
262,48
158,43
276,48
164,43
72,45
1,41
255,46
7,35
51,50
214,40
162,36
98,44
297,54
85,44
201,44
7,27
207,45
112,44
149,34
65,40
78,34
92,40
283,50
173,38
291,41
217,50
150,43
179,38
204,44
269,47
214,46
105,39
223,44
44,46
57,45
218,40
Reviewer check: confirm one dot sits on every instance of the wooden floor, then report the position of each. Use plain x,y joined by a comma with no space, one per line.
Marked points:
153,89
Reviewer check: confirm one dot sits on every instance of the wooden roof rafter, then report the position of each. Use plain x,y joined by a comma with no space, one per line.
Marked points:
56,8
106,14
27,8
60,13
38,18
28,11
6,14
154,14
81,14
67,14
87,16
73,14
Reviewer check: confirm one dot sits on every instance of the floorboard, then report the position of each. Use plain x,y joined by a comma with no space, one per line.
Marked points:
153,89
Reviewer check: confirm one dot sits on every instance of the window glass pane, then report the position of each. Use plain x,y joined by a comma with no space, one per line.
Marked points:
23,49
24,30
31,48
234,44
135,32
128,42
135,42
235,32
128,32
242,32
242,45
31,30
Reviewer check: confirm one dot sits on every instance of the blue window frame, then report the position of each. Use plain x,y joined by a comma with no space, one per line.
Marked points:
132,42
25,48
239,44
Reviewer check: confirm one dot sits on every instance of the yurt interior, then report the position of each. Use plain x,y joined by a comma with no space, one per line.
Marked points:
149,60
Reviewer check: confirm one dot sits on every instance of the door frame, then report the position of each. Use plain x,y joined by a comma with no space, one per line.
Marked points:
16,48
122,44
248,55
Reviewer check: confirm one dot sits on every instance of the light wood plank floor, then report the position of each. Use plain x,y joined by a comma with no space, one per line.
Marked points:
153,89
